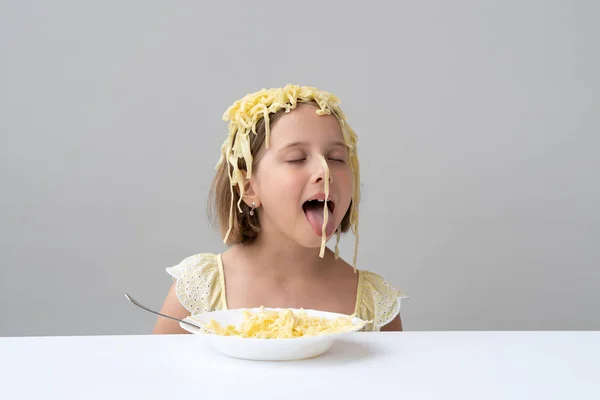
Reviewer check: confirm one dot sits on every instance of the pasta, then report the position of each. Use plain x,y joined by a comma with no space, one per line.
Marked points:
325,208
283,324
243,117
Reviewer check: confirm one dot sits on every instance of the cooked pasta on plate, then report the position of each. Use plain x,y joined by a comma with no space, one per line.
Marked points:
273,333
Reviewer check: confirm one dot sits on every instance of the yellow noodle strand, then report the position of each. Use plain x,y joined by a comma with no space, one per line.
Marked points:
325,208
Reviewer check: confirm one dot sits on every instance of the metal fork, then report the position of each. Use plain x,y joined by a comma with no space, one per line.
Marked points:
131,299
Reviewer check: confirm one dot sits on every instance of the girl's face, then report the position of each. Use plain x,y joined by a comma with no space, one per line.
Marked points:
290,178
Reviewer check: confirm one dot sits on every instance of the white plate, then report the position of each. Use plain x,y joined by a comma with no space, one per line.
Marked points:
267,349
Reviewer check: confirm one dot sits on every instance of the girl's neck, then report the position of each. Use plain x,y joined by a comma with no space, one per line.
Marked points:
282,256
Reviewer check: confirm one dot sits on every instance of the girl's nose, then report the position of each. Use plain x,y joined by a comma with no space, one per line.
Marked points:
320,172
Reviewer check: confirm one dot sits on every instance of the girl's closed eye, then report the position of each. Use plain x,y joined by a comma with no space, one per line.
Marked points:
295,158
336,157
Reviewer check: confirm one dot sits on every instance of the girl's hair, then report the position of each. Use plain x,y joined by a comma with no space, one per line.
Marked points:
250,120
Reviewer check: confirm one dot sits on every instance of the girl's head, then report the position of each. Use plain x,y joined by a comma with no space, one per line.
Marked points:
271,177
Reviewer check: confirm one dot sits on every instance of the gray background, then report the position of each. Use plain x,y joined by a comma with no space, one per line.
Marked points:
478,126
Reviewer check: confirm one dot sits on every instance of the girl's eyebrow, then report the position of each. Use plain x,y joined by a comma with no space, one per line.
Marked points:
336,143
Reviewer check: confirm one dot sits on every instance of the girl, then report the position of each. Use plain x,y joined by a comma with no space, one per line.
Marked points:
287,181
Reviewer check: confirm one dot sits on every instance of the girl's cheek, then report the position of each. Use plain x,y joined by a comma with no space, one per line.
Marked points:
344,175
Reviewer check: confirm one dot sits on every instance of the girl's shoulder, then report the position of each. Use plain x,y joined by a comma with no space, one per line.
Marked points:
199,282
197,263
379,300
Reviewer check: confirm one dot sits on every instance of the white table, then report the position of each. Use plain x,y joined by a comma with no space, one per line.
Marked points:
407,365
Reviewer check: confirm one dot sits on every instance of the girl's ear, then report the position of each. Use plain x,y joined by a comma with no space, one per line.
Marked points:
250,195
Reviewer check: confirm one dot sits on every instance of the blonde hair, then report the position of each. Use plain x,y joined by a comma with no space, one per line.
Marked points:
250,120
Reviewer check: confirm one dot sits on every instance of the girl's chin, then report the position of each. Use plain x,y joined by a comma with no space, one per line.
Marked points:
314,241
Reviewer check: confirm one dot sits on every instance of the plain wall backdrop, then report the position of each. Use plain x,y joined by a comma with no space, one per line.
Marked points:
479,140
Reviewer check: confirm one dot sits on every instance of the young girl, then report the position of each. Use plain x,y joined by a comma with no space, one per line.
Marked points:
287,181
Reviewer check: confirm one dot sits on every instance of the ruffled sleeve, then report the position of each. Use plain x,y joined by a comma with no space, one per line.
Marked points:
199,283
379,301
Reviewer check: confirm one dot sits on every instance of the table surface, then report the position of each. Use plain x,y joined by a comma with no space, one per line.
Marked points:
411,365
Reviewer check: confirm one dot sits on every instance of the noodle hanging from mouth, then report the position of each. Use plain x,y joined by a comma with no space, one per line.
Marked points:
325,208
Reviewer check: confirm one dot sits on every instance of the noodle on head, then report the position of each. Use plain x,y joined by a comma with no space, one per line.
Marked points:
243,117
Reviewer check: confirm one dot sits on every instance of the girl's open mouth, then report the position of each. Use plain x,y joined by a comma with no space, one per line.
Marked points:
314,211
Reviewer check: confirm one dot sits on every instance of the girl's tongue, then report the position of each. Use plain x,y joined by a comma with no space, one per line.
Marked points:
314,214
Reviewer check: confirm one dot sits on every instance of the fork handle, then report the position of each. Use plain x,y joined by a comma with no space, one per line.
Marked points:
131,299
